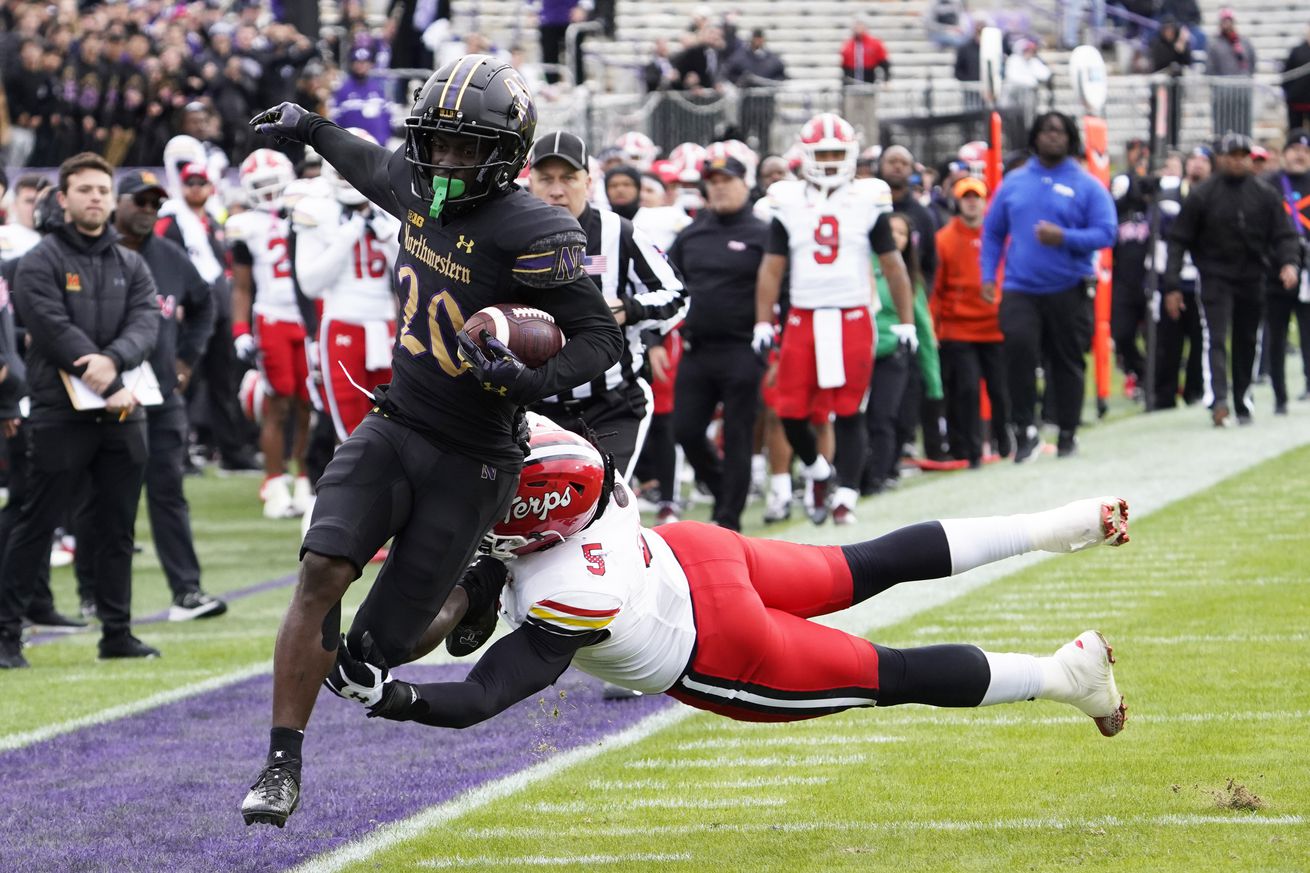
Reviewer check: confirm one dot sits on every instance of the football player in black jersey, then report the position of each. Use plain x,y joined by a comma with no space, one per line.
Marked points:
436,462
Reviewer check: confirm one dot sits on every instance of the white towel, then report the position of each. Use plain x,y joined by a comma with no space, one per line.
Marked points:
194,240
827,348
377,345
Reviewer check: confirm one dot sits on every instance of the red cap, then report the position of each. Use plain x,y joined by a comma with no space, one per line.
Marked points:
193,169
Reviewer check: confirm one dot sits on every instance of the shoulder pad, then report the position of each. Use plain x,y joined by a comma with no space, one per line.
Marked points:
314,212
239,227
573,613
785,191
548,246
875,189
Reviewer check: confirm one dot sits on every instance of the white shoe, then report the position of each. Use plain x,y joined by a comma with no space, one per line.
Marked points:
302,496
1087,663
1082,524
276,494
777,508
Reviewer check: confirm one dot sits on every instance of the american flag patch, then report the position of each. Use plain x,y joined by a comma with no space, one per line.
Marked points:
596,265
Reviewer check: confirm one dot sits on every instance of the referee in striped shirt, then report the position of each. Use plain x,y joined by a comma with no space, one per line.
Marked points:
644,293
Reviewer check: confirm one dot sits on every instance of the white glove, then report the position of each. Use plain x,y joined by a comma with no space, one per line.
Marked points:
763,338
244,346
361,677
907,335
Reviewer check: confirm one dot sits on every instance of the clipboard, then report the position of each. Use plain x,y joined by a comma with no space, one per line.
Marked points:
140,380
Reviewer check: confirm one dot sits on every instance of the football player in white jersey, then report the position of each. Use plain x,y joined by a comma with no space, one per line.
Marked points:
718,620
345,254
267,325
826,228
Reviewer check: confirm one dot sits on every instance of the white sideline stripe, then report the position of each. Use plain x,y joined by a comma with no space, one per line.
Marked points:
788,741
397,832
15,741
575,807
719,784
908,826
744,761
500,862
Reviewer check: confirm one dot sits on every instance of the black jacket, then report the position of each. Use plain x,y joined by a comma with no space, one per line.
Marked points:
719,255
79,296
178,284
14,386
1236,230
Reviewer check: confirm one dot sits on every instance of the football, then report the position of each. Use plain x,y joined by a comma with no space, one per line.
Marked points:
529,333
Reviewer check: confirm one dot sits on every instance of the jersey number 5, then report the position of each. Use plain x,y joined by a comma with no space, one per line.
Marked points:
826,236
595,558
438,303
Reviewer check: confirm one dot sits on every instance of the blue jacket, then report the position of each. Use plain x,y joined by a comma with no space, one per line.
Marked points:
1066,195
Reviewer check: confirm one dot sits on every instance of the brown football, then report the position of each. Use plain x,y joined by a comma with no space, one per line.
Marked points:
530,333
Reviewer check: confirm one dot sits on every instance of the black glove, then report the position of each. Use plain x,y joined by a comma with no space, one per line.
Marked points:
498,370
284,122
362,676
482,582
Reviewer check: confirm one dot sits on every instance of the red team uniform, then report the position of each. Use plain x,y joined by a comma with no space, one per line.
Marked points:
345,257
719,620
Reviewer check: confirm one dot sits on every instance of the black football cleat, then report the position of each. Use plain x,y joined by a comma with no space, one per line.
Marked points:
273,797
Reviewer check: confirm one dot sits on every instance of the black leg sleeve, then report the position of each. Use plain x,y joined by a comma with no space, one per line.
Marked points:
920,551
852,446
952,675
801,438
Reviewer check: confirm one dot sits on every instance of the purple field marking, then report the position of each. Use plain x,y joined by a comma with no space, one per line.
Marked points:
162,615
160,790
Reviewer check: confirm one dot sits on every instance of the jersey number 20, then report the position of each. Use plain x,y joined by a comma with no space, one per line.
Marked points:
438,303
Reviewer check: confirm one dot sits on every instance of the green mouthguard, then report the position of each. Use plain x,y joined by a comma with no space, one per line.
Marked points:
443,188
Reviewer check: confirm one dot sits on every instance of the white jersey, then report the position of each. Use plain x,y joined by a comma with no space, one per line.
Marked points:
828,233
619,577
661,224
16,241
346,260
265,235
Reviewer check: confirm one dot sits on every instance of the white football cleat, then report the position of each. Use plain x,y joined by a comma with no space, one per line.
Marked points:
1081,525
276,494
1088,667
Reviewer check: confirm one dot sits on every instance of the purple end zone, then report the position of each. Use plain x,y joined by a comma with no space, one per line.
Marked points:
161,790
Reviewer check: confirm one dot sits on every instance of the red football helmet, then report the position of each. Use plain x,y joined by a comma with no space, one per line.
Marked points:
638,149
559,491
828,133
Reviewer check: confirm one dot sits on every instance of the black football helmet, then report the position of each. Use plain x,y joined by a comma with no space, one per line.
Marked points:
479,96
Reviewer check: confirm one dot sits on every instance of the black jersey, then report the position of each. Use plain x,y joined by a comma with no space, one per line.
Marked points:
509,249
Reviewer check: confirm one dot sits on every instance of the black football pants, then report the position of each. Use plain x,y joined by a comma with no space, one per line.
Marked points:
964,365
170,515
1279,306
43,601
1169,338
707,376
886,389
1055,328
112,456
1225,305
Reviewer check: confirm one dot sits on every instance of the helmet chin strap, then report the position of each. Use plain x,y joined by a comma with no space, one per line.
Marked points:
444,188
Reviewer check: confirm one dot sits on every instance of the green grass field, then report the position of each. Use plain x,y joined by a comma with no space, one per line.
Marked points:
1208,610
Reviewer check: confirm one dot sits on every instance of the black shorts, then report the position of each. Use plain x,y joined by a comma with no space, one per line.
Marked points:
388,481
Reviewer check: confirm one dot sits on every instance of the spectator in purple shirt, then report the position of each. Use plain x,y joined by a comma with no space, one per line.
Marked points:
361,101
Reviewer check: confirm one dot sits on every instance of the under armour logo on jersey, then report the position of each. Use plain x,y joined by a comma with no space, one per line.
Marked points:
502,390
465,244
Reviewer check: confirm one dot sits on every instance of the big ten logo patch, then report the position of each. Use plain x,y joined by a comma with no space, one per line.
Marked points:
415,219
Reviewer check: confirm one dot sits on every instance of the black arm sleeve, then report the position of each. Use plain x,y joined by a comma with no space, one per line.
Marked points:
880,237
778,242
515,667
594,338
360,162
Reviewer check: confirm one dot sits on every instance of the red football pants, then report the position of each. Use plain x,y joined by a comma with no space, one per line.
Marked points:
757,658
341,345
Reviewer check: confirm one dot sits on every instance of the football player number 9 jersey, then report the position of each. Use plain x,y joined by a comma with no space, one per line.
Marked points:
827,239
262,240
615,576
